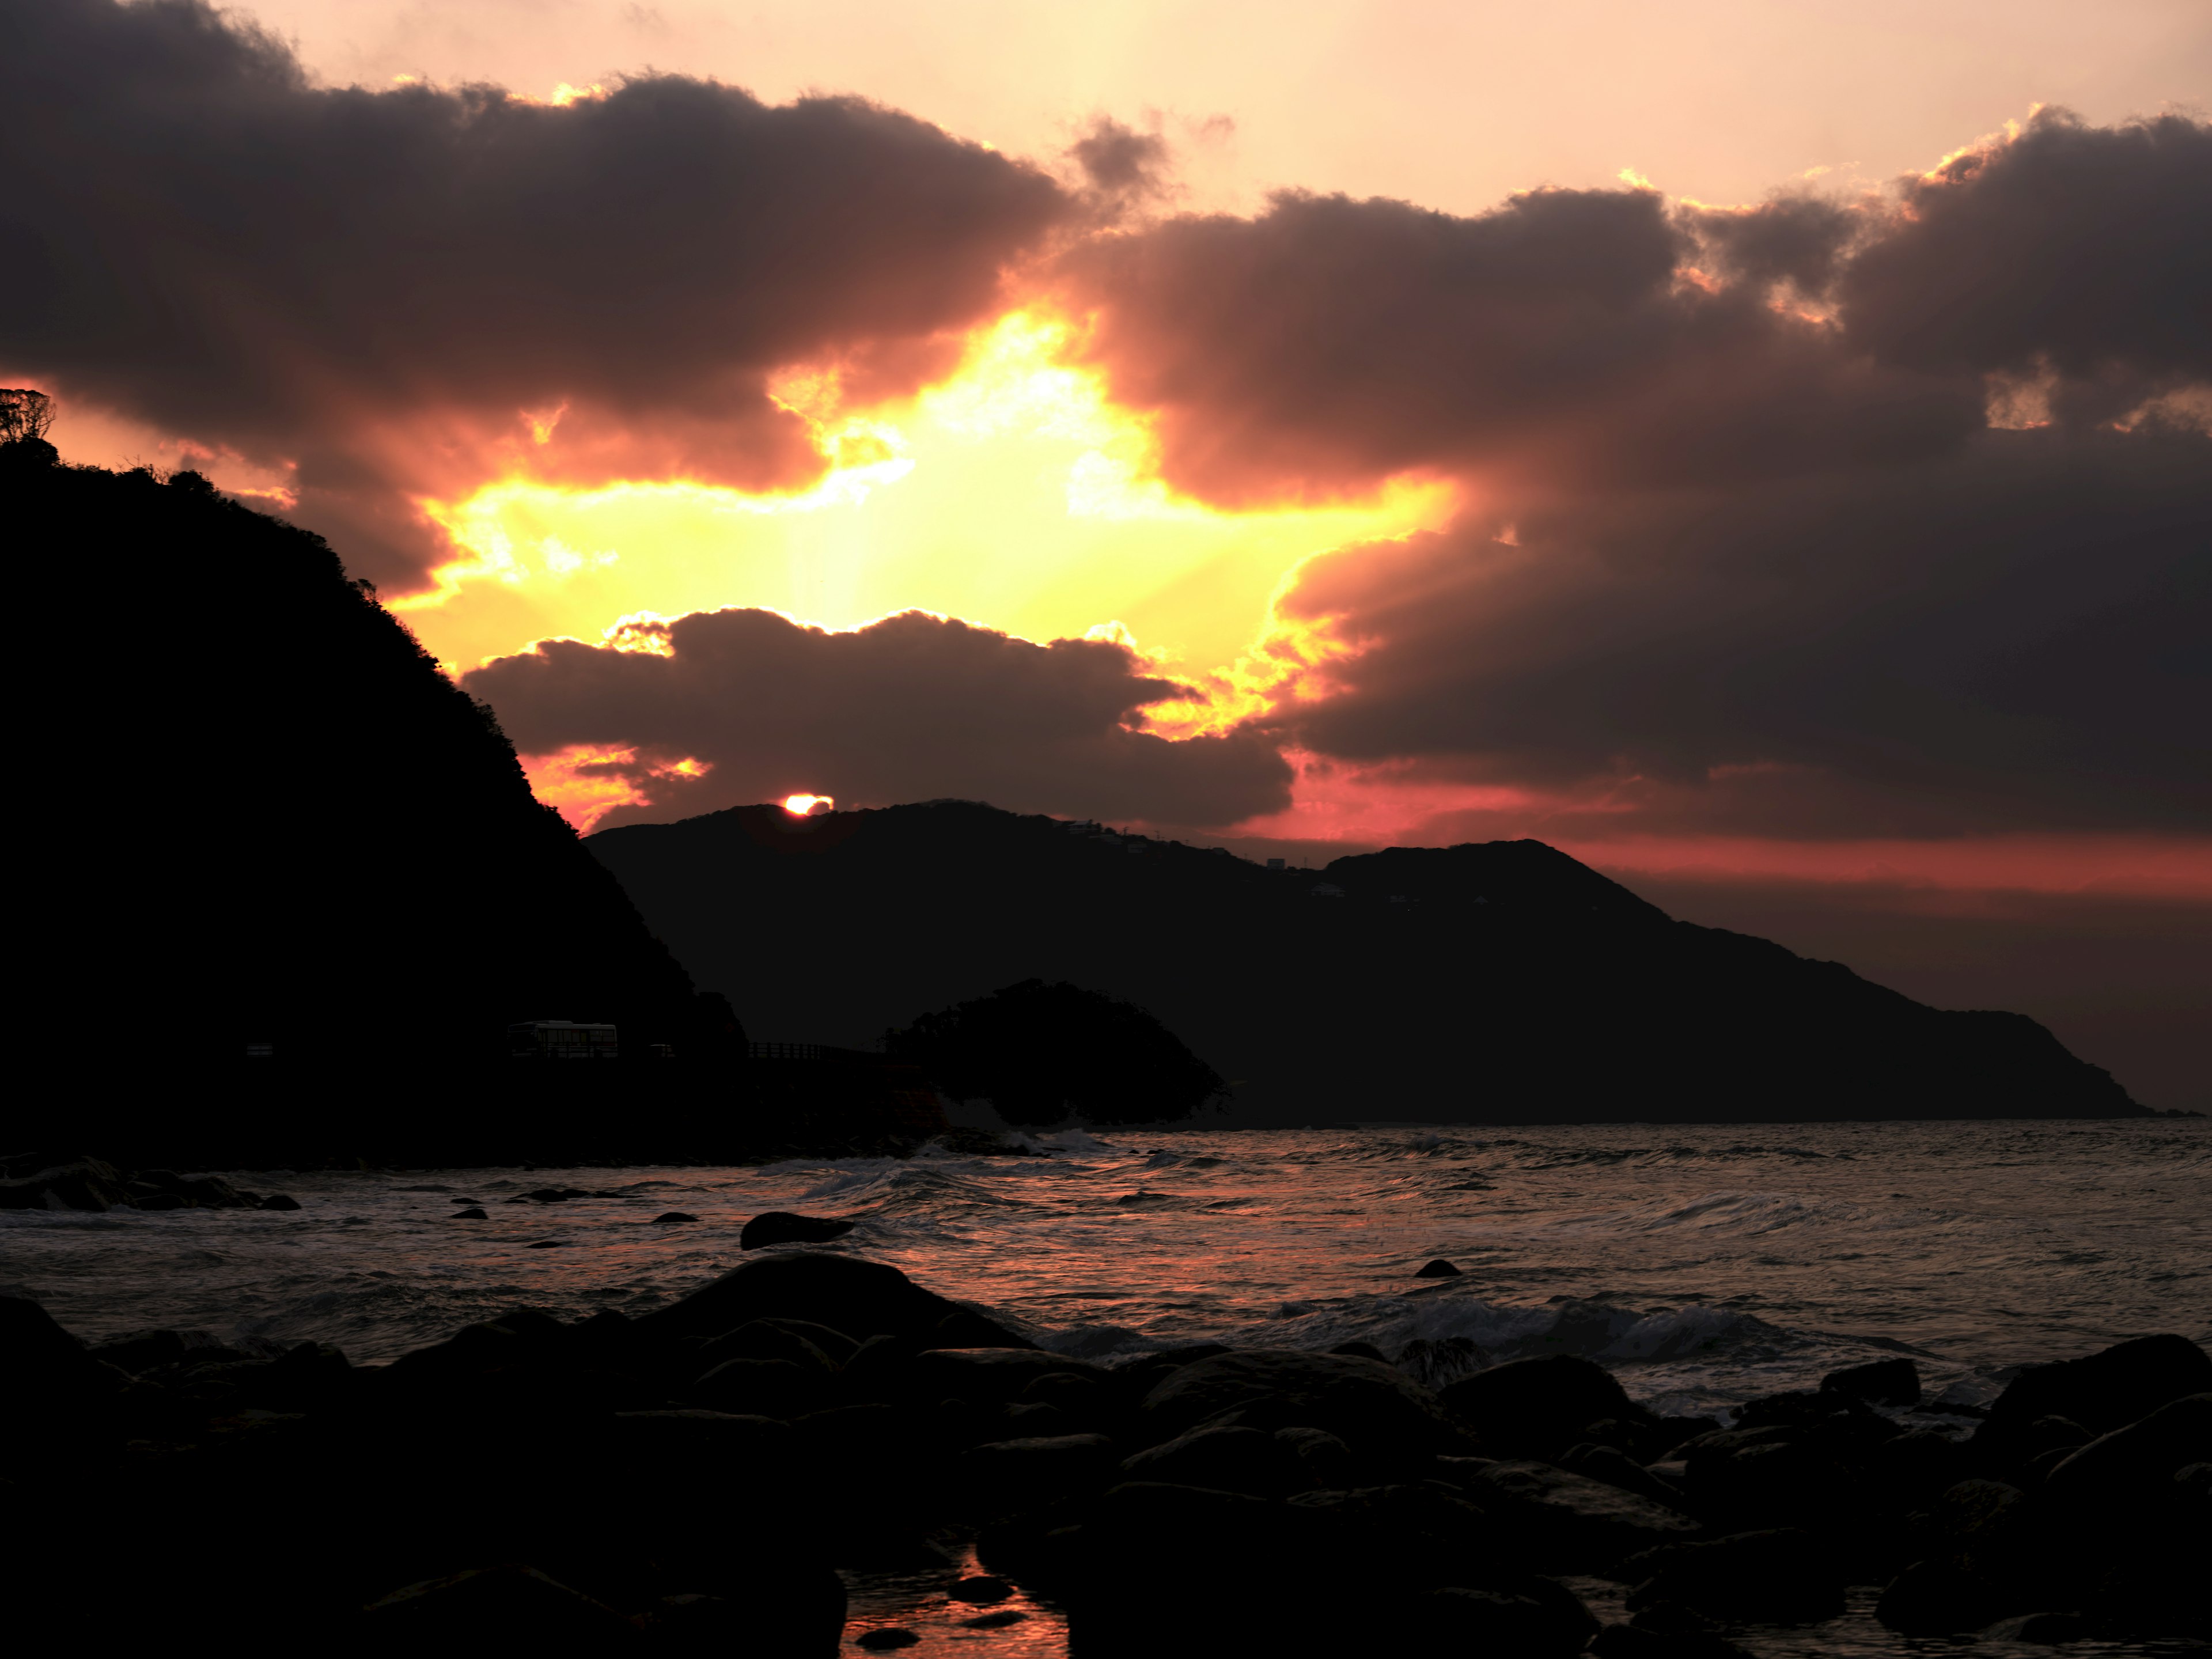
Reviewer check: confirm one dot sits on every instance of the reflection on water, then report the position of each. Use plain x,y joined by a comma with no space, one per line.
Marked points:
1003,1623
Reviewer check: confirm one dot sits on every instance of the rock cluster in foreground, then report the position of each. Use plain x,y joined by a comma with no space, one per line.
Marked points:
43,1180
694,1477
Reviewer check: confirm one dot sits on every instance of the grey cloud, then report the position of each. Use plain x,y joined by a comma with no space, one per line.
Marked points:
911,708
2009,638
2086,250
1329,342
377,283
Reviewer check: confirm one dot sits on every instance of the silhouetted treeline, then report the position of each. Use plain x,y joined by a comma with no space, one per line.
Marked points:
1503,982
256,813
1038,1052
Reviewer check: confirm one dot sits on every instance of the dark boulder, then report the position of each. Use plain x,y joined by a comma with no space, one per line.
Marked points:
783,1227
1539,1407
1325,1460
1569,1523
1939,1598
1883,1382
1376,1410
843,1292
1745,1479
2125,1467
1780,1577
2041,1629
1438,1268
1639,1641
495,1609
1507,1621
1617,1468
1226,1459
2102,1391
1414,1535
763,1388
471,1214
278,1201
1361,1351
992,1376
886,1638
39,1360
762,1339
981,1590
672,1218
84,1184
1003,1476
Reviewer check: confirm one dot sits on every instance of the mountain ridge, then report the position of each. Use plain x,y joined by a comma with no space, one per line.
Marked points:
1491,982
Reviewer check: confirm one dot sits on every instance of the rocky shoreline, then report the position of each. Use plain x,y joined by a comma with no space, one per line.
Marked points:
696,1478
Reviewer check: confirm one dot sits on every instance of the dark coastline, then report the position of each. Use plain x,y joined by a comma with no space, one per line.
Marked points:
702,1472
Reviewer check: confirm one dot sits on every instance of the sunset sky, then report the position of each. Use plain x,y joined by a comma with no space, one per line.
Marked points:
1763,450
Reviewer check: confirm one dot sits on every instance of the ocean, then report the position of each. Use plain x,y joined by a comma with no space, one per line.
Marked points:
1705,1264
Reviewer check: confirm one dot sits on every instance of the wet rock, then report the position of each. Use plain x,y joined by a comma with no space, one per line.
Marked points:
2041,1629
1325,1460
40,1361
672,1218
1227,1460
1372,1408
1938,1598
843,1292
994,1376
1570,1523
1883,1382
1638,1642
145,1350
1416,1534
158,1201
762,1339
1003,1476
2125,1467
886,1638
468,1215
1503,1621
1433,1363
1780,1577
1617,1468
1360,1351
981,1590
998,1620
497,1608
1539,1407
835,1343
1743,1479
2102,1391
556,1194
762,1388
1438,1268
84,1184
783,1227
547,1244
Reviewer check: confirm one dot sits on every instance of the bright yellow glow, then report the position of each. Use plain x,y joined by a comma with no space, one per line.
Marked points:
807,806
1012,495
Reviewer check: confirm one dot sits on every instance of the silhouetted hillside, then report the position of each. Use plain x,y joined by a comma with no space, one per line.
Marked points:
1038,1052
1502,983
259,814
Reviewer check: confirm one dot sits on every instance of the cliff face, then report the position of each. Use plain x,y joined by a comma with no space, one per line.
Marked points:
270,819
1498,983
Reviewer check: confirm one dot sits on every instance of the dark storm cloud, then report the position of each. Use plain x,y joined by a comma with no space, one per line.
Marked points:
375,284
907,709
2013,637
1329,342
1742,551
2084,249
